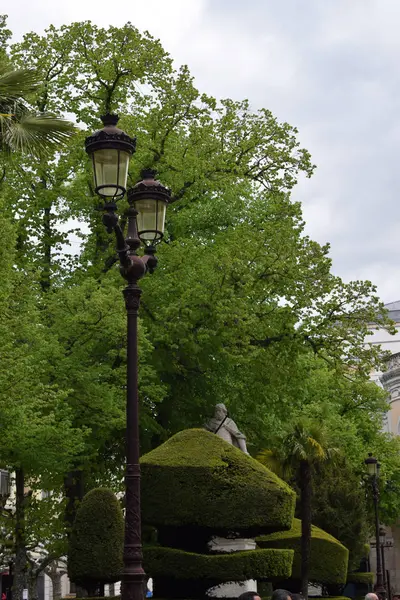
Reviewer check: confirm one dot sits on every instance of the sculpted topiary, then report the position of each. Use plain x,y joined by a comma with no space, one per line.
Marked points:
329,558
96,542
196,479
196,486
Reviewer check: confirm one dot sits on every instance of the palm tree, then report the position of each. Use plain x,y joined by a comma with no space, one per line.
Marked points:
21,129
305,444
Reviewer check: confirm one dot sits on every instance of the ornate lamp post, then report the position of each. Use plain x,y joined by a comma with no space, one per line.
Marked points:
382,542
373,471
111,149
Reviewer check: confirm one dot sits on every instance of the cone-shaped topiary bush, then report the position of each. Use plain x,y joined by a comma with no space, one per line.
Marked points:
96,542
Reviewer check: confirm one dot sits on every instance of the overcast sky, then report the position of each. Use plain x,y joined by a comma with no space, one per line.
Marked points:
329,67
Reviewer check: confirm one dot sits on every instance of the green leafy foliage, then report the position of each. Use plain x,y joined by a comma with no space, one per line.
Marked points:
306,444
328,557
96,541
243,308
339,507
239,285
30,400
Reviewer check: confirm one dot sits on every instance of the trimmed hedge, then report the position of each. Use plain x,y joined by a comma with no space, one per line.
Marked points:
96,542
197,479
234,566
366,578
328,557
330,598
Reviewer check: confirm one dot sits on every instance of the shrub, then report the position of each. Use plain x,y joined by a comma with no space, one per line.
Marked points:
330,598
92,598
366,578
180,574
197,479
232,566
96,542
328,560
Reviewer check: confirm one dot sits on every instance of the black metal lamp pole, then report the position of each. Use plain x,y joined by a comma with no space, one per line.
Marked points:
373,470
382,539
111,150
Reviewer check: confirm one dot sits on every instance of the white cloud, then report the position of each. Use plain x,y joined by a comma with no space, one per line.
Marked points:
166,20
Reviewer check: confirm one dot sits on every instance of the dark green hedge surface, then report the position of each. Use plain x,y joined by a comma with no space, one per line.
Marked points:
329,558
197,479
96,541
331,598
179,574
233,566
366,578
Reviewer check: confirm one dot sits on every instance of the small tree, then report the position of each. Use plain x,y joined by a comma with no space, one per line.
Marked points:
96,541
339,507
304,445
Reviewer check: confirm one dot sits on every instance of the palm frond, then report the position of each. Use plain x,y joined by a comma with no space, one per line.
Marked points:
270,460
307,440
21,130
35,134
316,449
16,84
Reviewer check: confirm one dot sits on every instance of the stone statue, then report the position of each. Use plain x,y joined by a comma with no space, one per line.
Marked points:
226,428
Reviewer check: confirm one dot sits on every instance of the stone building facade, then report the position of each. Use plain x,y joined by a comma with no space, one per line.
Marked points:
390,381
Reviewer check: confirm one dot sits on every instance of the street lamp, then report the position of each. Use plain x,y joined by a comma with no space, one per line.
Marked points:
150,199
373,471
382,541
110,149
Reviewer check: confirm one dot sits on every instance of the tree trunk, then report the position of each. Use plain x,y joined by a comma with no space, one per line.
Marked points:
111,589
20,565
55,577
305,509
33,587
47,246
74,492
55,570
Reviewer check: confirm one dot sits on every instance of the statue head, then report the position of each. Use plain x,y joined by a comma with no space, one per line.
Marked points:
220,411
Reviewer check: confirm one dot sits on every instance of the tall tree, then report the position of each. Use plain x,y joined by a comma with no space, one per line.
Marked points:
339,507
252,290
37,439
243,302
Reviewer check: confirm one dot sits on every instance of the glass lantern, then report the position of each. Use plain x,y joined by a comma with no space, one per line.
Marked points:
110,149
372,465
150,199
